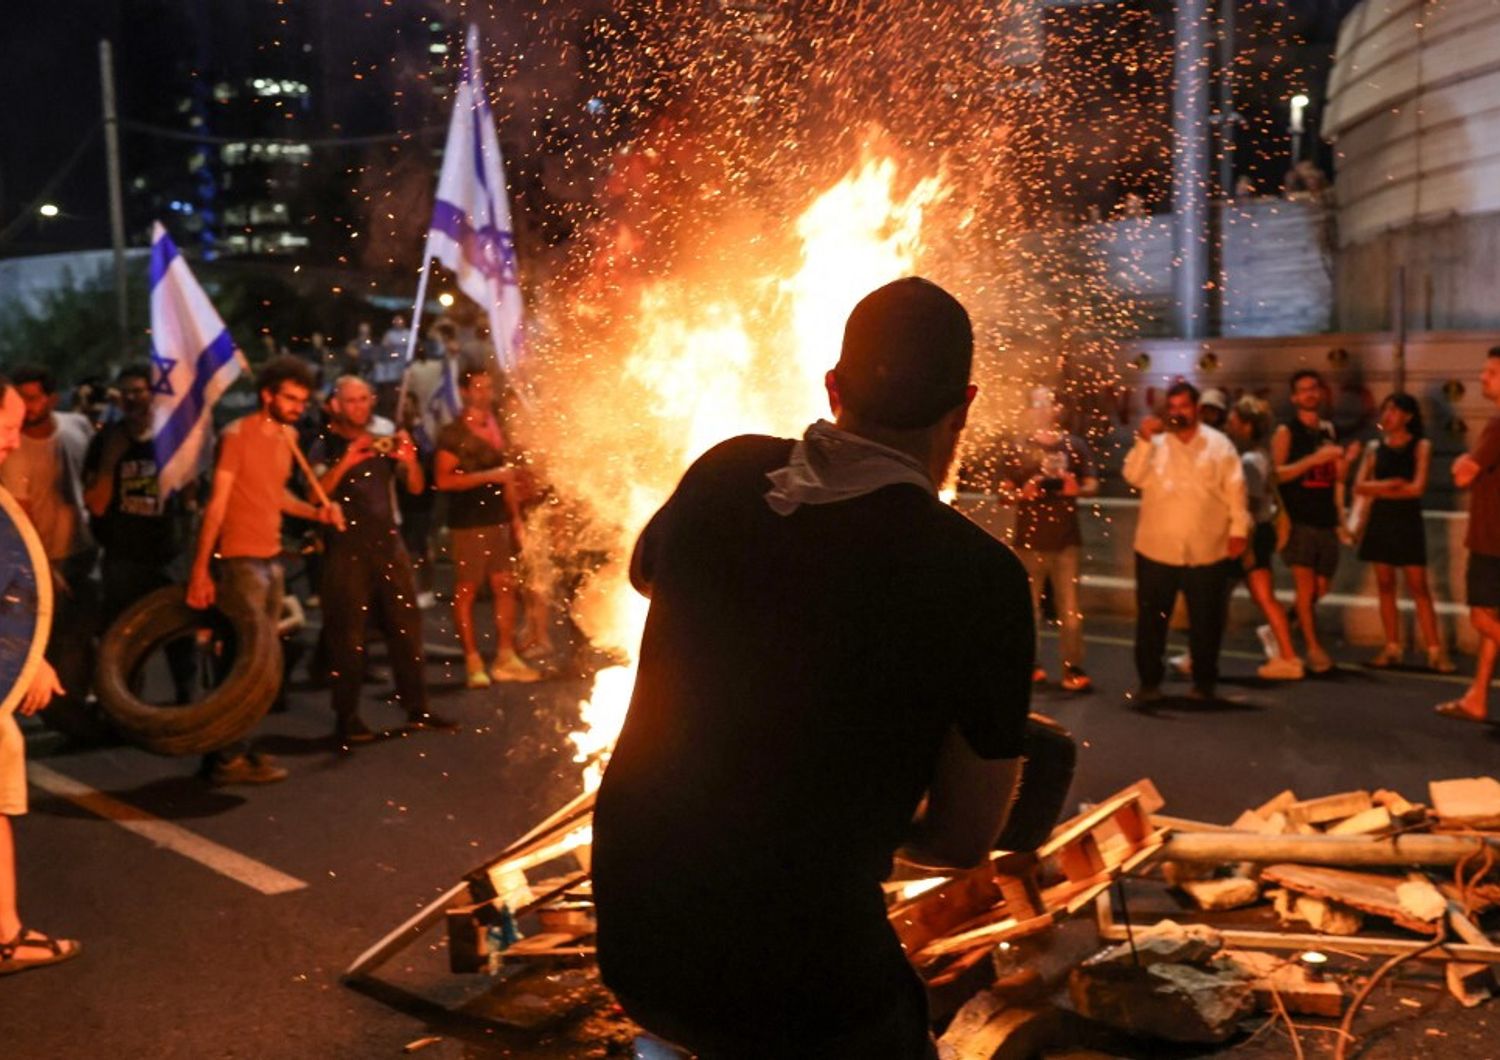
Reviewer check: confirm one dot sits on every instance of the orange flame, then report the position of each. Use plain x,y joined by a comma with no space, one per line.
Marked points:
711,367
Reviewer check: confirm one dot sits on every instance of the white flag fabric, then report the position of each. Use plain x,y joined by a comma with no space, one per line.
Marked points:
193,362
471,231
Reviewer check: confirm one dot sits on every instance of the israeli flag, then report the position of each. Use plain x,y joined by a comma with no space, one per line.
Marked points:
471,231
193,361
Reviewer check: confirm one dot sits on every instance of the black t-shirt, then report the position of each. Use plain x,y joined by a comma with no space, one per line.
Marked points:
134,526
483,505
797,675
1309,496
1050,522
365,493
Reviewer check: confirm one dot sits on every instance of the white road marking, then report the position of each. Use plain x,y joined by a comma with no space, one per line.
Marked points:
221,859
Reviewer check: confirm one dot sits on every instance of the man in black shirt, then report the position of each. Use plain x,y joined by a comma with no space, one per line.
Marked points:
827,643
366,571
141,532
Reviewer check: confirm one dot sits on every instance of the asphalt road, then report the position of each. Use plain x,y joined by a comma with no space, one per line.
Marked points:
183,961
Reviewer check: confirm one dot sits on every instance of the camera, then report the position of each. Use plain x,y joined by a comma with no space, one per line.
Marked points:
384,444
1176,423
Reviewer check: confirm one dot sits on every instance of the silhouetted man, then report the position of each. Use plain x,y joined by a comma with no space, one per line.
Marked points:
827,643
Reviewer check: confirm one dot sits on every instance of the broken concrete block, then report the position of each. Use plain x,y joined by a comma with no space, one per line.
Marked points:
1231,893
1375,819
1177,1002
1167,942
1328,808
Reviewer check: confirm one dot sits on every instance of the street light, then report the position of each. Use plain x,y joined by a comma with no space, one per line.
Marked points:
48,209
1298,124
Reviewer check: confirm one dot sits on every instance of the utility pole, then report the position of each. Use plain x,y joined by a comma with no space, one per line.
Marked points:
1191,174
116,192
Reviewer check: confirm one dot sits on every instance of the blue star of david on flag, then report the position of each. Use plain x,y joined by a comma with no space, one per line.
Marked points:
163,366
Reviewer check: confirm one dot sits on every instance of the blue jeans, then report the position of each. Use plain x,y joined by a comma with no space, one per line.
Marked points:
262,583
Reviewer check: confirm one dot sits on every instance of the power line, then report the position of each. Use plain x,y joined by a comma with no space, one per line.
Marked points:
164,133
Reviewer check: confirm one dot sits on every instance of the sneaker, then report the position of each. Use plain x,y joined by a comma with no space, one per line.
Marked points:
1268,641
246,769
355,731
1279,669
1389,656
1075,680
1318,661
511,667
1182,664
477,677
430,720
426,601
1039,676
1437,659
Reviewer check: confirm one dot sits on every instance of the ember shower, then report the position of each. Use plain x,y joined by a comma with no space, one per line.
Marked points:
744,174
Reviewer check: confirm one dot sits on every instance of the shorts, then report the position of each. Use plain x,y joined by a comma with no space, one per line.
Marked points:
12,767
478,552
1313,546
1262,546
1482,580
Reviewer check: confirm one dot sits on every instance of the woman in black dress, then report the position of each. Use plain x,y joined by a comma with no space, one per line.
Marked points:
1393,476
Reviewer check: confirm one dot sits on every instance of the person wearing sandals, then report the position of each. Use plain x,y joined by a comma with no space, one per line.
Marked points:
1392,478
1249,425
21,948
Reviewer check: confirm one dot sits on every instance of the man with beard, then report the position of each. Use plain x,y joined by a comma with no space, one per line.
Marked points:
1193,517
827,644
366,570
140,531
242,523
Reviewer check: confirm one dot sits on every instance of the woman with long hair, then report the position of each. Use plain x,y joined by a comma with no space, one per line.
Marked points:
1393,475
1250,425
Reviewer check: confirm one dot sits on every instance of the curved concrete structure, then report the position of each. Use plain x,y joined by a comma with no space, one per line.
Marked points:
1414,112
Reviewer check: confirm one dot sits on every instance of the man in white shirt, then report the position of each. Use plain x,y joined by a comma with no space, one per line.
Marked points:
1193,517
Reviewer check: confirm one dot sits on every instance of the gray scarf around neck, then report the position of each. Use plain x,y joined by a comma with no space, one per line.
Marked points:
830,465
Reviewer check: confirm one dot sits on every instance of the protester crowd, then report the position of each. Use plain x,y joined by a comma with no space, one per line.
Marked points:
356,462
1223,489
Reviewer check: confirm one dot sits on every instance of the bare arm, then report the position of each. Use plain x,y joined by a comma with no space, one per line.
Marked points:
99,488
1413,489
1281,450
449,477
966,809
200,592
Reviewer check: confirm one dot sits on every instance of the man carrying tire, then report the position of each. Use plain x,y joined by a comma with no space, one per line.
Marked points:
243,523
366,569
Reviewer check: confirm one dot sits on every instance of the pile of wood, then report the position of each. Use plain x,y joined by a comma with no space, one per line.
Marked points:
1359,872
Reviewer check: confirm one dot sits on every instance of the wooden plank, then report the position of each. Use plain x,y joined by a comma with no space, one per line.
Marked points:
1111,931
1081,859
1276,803
1471,801
1359,890
1411,849
1070,831
1328,808
1370,822
984,935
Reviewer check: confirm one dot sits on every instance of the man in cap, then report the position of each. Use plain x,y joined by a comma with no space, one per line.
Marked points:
1213,408
828,644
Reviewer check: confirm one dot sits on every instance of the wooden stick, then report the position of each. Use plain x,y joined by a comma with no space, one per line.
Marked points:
312,477
1409,849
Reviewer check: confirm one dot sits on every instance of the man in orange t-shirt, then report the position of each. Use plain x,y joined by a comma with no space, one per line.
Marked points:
243,519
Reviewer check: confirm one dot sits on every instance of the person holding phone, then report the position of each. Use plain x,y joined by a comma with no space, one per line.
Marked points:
1051,470
1193,517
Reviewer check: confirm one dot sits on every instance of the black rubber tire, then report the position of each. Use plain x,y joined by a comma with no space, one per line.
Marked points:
226,714
1051,756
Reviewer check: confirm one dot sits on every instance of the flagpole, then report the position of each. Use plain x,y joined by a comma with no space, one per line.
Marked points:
416,330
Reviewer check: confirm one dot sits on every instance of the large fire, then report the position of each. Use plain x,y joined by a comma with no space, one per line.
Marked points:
710,366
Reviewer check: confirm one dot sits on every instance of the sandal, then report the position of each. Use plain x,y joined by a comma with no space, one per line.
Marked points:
56,951
1454,708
